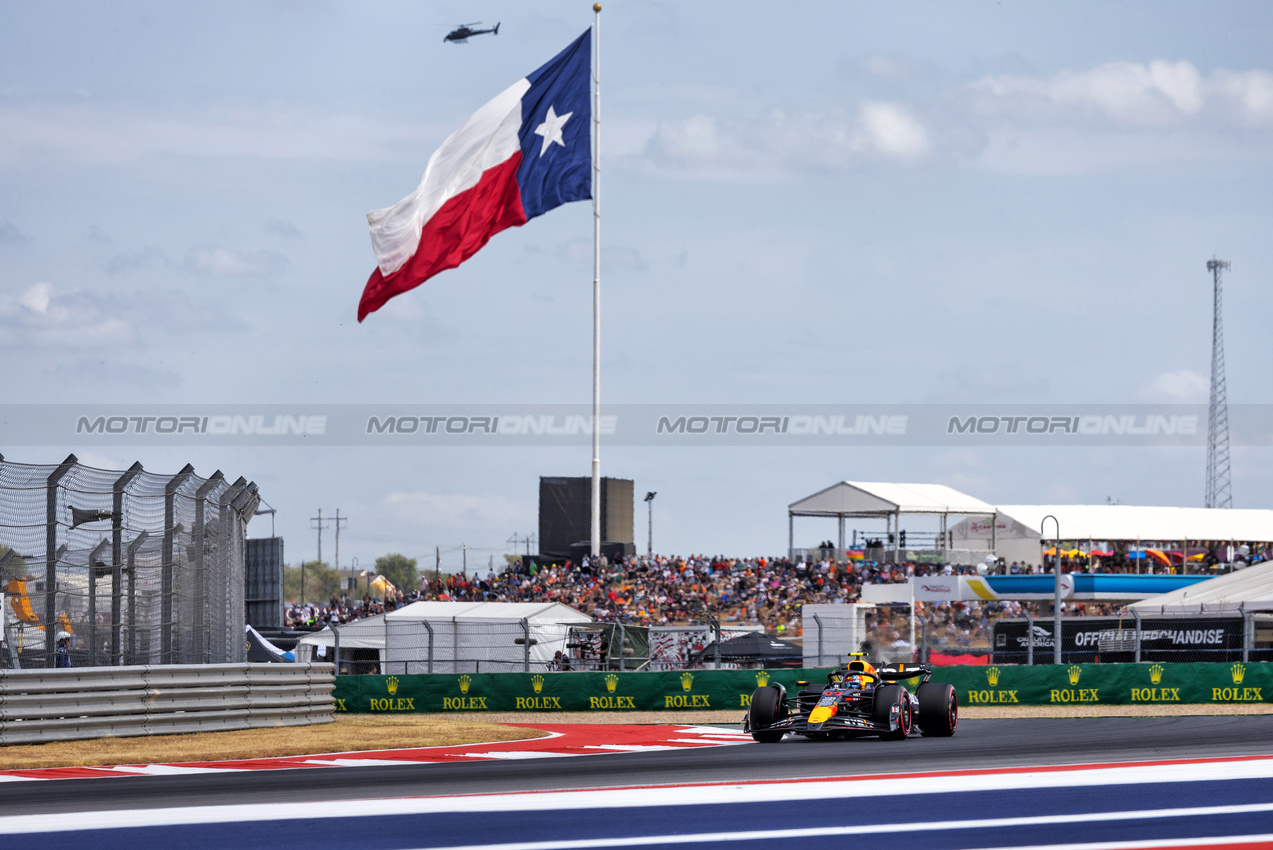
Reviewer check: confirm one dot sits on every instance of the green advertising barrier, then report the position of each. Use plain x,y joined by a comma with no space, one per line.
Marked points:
1074,684
1111,684
669,691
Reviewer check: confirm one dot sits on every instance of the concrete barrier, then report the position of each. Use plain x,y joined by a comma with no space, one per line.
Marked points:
102,702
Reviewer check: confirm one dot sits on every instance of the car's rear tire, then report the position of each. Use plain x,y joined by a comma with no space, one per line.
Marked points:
885,698
767,708
938,709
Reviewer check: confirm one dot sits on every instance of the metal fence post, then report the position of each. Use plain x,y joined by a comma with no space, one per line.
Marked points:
1248,633
716,644
117,562
818,621
429,628
166,568
336,648
1029,637
50,560
923,653
525,645
1136,614
623,642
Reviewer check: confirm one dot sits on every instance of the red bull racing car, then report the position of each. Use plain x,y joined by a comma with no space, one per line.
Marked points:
857,700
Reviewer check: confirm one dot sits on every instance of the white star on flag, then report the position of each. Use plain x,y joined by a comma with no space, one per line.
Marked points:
551,129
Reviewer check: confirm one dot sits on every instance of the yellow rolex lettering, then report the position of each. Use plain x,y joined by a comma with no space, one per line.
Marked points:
1056,696
340,704
1012,697
744,700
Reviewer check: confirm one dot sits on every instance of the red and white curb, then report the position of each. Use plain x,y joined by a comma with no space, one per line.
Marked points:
562,740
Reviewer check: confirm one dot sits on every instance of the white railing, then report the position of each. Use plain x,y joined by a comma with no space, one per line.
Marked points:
101,702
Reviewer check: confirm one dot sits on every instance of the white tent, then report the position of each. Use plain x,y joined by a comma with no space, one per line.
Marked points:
884,500
363,634
476,637
1014,532
1250,589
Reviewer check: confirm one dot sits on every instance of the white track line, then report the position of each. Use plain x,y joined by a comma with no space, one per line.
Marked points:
670,795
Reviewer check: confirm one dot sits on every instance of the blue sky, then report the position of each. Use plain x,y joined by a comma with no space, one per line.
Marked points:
897,203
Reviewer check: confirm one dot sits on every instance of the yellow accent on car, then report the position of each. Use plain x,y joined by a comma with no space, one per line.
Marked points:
822,714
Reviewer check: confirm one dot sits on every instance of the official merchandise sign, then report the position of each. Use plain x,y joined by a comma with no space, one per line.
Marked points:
1113,639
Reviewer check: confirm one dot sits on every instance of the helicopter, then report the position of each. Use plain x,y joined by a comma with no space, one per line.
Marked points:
460,35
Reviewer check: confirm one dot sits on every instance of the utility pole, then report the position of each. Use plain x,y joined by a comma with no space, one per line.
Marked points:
317,522
464,548
338,522
437,562
1218,494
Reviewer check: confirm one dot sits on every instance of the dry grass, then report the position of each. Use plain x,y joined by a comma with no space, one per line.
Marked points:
348,733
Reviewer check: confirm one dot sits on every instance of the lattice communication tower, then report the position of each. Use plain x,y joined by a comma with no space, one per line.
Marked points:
1219,494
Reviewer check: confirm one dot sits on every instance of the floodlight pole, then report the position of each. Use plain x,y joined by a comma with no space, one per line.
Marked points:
595,536
649,504
1056,588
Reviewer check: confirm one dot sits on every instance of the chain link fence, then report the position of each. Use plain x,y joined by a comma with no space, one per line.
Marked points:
109,568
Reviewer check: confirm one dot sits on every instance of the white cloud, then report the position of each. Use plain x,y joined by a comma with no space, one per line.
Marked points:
1181,387
222,261
88,133
36,299
773,145
890,129
39,316
1157,93
456,512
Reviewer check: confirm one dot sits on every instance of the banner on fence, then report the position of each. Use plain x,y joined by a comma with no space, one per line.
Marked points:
1073,684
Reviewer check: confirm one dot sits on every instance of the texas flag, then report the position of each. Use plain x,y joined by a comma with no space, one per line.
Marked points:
519,156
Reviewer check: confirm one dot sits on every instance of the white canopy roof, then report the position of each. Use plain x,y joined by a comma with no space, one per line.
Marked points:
1130,522
1250,589
368,633
545,612
860,498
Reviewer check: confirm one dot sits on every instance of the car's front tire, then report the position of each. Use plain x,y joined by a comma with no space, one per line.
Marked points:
767,708
885,698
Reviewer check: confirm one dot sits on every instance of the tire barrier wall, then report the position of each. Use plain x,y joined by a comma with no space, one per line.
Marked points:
1074,684
100,702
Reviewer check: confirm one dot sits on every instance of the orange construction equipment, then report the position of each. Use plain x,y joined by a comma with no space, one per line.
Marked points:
16,592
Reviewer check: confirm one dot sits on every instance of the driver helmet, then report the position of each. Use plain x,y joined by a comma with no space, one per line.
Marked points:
853,680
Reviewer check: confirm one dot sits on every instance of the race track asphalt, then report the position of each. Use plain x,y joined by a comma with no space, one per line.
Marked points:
979,744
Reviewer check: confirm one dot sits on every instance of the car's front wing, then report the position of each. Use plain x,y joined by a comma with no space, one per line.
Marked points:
838,723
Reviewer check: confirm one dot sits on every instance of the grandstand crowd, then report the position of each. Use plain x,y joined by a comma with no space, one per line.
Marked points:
672,590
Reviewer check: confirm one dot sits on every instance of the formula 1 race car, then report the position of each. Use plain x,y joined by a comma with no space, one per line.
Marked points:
857,700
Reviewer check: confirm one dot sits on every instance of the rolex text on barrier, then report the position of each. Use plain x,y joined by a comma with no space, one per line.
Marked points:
601,692
1003,684
1111,684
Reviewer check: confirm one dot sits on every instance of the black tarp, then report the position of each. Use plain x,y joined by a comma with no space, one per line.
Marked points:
755,647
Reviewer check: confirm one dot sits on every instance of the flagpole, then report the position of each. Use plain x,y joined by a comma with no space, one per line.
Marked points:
596,281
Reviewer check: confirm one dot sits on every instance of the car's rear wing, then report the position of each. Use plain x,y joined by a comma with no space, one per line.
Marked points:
900,671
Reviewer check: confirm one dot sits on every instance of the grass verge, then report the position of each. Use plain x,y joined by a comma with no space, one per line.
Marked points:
348,733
